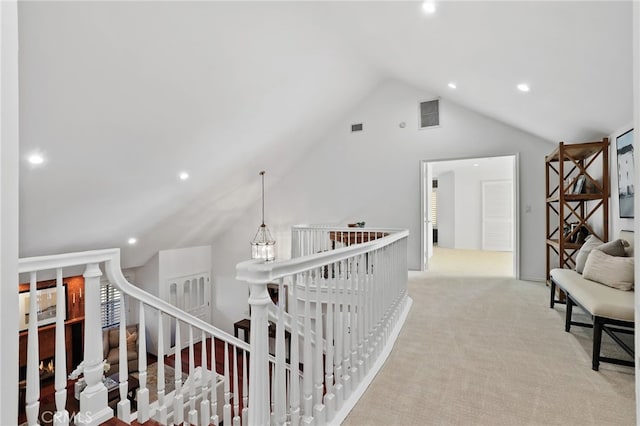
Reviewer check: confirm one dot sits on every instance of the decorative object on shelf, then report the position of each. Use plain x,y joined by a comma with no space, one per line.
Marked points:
578,187
47,300
626,174
263,244
356,225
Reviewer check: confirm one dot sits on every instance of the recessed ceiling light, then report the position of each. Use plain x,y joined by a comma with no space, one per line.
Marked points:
36,159
523,87
132,241
183,175
452,86
476,165
429,6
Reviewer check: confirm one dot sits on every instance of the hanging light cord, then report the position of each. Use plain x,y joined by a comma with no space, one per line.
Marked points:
262,174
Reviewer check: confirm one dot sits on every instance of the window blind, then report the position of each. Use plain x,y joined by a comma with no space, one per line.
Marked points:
434,208
109,305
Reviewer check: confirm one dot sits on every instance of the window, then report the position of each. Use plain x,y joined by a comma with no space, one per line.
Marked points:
109,305
434,208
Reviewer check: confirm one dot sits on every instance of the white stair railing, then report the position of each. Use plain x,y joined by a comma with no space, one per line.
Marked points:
195,398
346,305
347,289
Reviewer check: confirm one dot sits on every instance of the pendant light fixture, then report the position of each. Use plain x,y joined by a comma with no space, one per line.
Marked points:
263,245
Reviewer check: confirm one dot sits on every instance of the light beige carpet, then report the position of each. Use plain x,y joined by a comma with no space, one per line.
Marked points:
489,351
475,263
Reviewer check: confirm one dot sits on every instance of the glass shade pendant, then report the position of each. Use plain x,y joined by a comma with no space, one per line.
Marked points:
263,245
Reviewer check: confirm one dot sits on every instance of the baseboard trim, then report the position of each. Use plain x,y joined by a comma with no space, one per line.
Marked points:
534,279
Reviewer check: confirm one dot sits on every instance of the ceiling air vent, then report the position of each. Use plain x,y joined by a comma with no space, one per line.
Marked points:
356,127
429,113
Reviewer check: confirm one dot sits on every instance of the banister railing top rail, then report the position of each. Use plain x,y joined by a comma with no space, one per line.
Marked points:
257,271
111,260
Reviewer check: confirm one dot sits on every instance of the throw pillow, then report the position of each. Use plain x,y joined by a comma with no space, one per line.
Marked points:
612,271
132,338
590,243
613,248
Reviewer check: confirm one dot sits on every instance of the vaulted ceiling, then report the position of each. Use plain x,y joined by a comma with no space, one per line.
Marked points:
119,97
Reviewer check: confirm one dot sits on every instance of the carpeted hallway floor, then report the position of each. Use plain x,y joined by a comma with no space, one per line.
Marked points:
489,351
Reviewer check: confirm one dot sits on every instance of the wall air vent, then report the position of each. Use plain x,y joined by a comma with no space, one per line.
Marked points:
429,113
356,127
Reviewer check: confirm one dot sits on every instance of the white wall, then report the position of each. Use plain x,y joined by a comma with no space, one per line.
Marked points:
446,210
8,210
154,278
374,175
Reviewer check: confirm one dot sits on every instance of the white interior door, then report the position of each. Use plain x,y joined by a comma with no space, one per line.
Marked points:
497,215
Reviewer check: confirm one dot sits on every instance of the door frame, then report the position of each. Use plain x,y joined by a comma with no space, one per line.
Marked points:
424,214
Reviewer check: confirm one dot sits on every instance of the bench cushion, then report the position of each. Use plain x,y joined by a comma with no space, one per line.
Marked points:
596,298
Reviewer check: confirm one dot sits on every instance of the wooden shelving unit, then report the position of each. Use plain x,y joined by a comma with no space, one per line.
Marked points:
577,199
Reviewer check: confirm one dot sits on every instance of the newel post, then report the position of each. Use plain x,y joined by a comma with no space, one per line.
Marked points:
94,409
259,404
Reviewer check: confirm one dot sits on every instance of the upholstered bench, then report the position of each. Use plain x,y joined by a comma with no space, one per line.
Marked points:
611,309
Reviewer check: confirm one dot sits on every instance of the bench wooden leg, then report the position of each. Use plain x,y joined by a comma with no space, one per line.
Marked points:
569,311
597,340
553,294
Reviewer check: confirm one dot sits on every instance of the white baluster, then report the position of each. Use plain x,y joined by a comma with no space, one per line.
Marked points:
162,413
280,391
295,356
124,406
245,390
318,408
226,410
272,411
214,386
362,276
205,405
346,329
307,378
380,298
236,393
329,397
142,395
339,336
369,312
93,399
193,414
61,417
32,396
259,367
353,305
178,399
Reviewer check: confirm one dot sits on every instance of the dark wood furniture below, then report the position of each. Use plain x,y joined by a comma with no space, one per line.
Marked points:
113,395
245,326
354,237
74,332
74,328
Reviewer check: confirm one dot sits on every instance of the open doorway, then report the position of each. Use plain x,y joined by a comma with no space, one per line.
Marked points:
469,215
